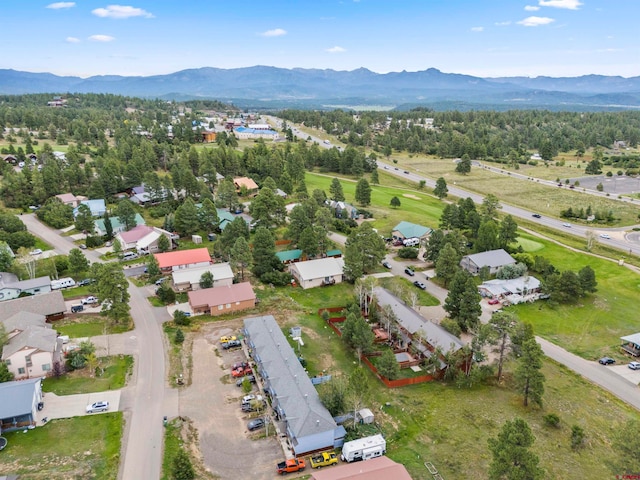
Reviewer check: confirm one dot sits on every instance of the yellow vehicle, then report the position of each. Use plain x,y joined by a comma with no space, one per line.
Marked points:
227,338
324,459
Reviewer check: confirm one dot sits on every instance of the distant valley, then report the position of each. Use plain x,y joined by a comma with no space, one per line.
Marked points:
271,87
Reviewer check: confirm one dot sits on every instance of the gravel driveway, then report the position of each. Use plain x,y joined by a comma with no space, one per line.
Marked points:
214,406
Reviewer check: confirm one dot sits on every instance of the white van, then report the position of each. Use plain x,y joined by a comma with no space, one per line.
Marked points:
62,283
411,242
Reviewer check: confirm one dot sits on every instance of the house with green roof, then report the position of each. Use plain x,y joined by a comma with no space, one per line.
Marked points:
225,218
115,223
289,256
410,230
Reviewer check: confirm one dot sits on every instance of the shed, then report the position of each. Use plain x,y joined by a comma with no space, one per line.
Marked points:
364,416
197,239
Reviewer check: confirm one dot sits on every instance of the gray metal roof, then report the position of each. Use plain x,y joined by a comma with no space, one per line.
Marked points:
16,398
492,258
40,338
44,304
30,283
413,322
319,268
296,395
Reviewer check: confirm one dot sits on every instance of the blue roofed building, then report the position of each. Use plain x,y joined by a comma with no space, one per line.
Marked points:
115,223
247,133
98,207
410,230
19,405
299,412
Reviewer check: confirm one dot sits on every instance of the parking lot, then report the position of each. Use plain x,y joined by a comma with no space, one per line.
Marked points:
229,450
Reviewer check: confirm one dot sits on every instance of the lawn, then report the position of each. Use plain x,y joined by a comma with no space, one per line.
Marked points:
114,376
81,447
403,287
450,426
416,206
89,325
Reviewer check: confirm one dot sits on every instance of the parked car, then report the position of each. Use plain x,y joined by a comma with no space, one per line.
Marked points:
536,215
494,301
241,372
250,379
568,225
91,300
186,314
98,407
160,280
251,397
238,365
86,281
606,361
634,365
227,338
77,308
231,344
255,424
605,236
37,251
248,407
420,284
386,264
82,246
409,271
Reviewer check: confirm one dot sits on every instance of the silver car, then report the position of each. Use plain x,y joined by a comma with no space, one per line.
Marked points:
98,407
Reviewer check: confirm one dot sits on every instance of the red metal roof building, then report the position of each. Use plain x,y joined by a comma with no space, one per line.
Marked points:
170,261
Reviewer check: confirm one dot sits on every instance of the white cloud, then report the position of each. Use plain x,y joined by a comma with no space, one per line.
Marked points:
72,40
531,8
276,32
336,49
121,11
568,4
535,21
477,29
503,24
59,5
101,38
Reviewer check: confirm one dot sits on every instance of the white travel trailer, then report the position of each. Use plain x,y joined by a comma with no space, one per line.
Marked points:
364,448
65,282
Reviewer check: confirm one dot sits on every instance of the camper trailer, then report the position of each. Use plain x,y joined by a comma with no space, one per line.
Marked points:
411,242
364,449
62,283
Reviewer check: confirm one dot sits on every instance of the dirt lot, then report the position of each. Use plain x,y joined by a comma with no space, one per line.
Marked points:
213,403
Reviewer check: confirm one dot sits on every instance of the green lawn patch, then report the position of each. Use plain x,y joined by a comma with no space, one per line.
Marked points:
172,444
403,287
529,245
115,371
77,292
90,325
85,447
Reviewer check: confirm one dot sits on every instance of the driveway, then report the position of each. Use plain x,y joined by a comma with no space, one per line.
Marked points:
213,403
67,406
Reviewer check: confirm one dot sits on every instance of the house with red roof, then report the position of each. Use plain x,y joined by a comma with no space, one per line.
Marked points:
221,300
172,261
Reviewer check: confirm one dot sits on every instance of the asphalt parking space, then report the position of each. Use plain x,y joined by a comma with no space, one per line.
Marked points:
67,406
625,372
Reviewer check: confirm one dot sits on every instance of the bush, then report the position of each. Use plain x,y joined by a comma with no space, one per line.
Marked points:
179,336
451,326
279,279
166,294
93,241
551,420
577,437
180,318
408,252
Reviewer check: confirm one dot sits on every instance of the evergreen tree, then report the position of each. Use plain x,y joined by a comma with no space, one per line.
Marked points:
457,288
447,263
126,214
470,309
528,375
464,165
363,192
186,218
240,255
208,216
153,269
364,251
395,202
508,232
487,237
206,280
587,278
84,219
164,244
441,190
308,242
182,469
512,459
388,365
264,253
78,263
335,191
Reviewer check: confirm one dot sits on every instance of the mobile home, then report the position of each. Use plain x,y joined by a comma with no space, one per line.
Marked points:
364,449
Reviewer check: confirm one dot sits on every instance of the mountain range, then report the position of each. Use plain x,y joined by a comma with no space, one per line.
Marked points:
271,87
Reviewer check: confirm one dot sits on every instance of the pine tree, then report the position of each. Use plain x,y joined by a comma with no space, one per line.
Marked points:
441,189
363,192
512,458
335,190
529,378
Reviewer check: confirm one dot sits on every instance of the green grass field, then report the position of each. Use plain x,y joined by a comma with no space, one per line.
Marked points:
75,448
79,381
90,325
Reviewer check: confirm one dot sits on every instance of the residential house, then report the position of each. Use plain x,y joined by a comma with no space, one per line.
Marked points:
515,290
172,261
319,272
11,159
115,224
32,345
307,423
493,259
631,344
143,239
425,335
410,230
51,305
220,300
70,199
245,183
379,468
189,278
11,287
96,206
208,136
19,405
225,218
343,209
289,256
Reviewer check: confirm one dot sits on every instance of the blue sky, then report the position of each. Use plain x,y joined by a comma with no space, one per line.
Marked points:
478,37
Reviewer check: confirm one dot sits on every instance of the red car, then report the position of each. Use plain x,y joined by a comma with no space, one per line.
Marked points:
241,372
494,301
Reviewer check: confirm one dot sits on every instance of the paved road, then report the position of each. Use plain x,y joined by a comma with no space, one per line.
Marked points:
594,372
144,436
